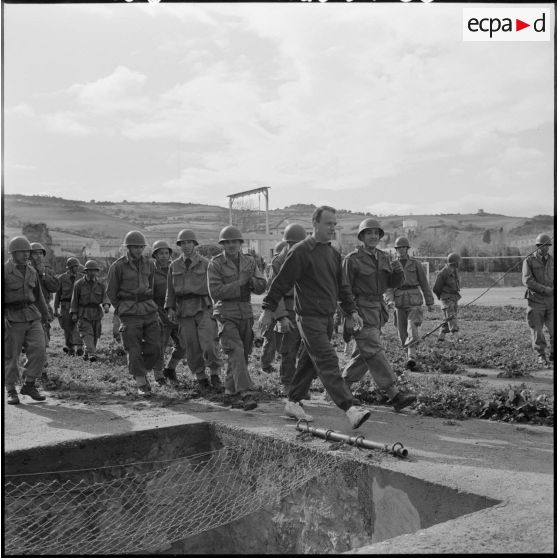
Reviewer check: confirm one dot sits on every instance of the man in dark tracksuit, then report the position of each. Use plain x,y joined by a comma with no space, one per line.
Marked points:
130,291
287,333
24,310
538,277
313,267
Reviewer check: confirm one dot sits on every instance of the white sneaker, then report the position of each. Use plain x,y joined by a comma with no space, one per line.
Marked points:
357,415
296,411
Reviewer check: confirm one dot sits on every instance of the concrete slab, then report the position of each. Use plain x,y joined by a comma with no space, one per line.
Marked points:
513,464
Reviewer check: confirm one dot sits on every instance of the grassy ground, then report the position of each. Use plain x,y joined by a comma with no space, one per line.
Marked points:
490,338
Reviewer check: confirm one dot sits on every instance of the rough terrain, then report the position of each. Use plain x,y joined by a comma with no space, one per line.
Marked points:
511,463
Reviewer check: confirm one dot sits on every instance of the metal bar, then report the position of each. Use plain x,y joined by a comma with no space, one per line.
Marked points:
358,441
248,192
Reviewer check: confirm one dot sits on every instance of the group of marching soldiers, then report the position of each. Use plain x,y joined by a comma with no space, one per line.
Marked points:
201,304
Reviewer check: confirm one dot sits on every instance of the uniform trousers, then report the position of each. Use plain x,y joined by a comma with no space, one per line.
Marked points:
236,337
319,358
409,319
28,335
540,315
141,337
198,341
90,332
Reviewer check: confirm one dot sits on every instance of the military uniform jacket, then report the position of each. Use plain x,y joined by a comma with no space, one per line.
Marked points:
187,286
87,298
409,293
65,288
49,282
230,300
130,286
286,304
537,275
369,275
23,297
447,283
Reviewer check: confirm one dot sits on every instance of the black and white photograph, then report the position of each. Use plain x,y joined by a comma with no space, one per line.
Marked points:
278,277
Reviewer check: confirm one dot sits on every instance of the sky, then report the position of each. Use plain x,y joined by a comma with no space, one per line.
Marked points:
380,108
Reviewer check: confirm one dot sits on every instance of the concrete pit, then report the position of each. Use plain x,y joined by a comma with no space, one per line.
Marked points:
203,488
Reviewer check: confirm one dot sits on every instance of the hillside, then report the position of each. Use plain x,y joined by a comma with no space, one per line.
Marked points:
108,222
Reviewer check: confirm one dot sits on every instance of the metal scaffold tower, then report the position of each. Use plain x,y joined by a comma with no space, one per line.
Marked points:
258,191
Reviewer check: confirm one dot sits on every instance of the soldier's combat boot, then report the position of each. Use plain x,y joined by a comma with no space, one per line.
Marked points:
402,400
32,391
170,374
217,384
248,402
203,385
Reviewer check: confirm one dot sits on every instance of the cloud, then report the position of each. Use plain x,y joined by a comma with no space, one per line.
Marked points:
21,109
65,123
349,102
120,91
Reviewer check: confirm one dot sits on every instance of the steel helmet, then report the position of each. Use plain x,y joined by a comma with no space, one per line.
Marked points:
19,243
454,258
92,264
370,224
294,233
71,262
230,233
402,242
186,234
134,238
279,246
37,246
543,240
158,244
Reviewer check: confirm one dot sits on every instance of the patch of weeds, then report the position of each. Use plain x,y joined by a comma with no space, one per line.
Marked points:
519,404
113,353
491,313
513,370
447,398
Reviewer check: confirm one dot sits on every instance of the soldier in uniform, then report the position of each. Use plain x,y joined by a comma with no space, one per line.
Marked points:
62,300
408,300
24,310
161,252
284,316
313,267
446,288
538,277
269,347
370,273
85,308
188,303
49,285
130,291
231,277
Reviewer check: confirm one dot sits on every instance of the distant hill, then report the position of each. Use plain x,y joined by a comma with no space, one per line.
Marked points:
107,222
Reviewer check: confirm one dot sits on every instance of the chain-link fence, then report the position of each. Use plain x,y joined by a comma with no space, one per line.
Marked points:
128,509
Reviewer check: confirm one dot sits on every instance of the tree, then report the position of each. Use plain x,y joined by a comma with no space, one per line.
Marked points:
38,232
486,236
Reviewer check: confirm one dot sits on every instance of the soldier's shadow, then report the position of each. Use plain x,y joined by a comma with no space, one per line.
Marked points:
93,421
